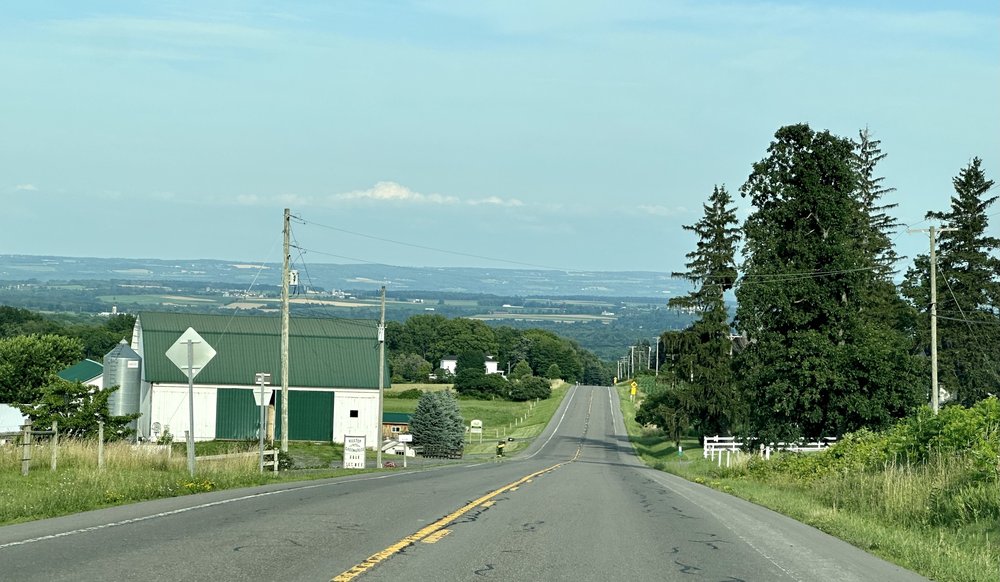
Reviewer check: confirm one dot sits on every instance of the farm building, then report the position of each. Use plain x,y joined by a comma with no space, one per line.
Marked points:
394,424
86,372
332,377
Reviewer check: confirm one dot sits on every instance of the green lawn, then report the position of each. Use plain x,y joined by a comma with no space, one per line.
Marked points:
501,418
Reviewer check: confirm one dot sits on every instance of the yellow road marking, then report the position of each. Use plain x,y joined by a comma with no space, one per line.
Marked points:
513,488
489,504
435,527
436,536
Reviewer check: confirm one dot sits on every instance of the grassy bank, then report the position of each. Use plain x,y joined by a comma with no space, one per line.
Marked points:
936,513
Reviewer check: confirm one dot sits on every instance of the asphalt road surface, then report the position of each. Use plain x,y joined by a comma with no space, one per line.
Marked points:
577,505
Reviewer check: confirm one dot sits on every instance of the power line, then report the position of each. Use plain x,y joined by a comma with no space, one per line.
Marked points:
429,248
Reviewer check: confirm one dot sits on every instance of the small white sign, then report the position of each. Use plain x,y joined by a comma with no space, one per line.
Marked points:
406,438
267,396
354,452
132,364
476,427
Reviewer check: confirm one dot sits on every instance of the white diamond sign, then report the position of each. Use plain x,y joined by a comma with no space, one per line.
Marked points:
201,355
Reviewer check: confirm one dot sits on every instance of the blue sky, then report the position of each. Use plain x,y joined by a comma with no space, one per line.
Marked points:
572,135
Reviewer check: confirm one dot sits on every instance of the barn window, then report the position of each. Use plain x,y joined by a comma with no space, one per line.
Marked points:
395,429
354,414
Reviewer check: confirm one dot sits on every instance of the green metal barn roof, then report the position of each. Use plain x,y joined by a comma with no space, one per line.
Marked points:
323,353
82,371
396,417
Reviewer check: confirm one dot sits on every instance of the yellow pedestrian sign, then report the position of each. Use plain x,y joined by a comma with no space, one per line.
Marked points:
631,392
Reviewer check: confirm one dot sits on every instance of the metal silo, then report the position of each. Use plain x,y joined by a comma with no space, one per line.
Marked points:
123,368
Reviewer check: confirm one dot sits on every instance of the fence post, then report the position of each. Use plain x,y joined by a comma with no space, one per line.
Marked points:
100,444
26,448
55,444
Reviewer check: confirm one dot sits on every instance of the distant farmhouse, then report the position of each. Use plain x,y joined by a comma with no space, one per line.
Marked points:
450,363
333,377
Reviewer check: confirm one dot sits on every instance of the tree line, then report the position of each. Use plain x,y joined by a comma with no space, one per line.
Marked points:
33,348
824,340
417,346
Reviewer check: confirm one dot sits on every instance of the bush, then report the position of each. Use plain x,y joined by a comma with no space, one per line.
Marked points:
530,388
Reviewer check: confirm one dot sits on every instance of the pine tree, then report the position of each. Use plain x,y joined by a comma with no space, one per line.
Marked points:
712,270
968,291
881,226
819,362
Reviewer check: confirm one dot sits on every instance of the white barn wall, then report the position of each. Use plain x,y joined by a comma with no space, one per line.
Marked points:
169,407
367,423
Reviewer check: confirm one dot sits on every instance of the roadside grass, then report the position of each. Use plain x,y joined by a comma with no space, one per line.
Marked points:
890,513
134,474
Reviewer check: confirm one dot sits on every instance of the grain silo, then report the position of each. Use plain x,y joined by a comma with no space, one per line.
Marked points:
122,368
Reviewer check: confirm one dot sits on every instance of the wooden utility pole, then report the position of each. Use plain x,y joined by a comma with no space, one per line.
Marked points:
381,381
935,391
284,332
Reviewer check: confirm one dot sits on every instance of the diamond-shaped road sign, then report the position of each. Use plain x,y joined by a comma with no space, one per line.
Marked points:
201,356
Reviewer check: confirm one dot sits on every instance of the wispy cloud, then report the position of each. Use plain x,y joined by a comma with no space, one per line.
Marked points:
26,188
393,192
497,201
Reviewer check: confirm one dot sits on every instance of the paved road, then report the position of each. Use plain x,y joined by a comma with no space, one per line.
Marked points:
577,505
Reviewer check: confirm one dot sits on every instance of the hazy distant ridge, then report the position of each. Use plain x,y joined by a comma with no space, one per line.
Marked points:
514,282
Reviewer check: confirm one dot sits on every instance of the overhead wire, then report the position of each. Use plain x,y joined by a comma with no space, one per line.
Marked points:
980,339
430,248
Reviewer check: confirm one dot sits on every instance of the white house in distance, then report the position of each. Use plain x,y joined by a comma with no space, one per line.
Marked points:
333,377
450,363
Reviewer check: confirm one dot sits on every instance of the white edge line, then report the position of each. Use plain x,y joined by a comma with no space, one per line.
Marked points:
558,424
185,510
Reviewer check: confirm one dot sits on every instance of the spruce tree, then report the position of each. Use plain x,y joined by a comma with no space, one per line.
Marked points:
880,226
968,291
818,362
711,268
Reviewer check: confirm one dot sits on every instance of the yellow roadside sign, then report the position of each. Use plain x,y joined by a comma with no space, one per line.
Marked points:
634,386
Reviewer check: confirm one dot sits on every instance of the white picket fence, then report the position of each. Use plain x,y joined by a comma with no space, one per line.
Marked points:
715,447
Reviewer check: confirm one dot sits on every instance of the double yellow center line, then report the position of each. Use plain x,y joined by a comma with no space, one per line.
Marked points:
438,525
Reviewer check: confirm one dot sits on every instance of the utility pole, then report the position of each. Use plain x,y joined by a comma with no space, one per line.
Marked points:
284,333
631,362
381,381
935,391
657,355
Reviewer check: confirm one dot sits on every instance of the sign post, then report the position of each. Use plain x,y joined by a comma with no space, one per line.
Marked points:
476,427
263,379
405,438
354,452
191,353
631,393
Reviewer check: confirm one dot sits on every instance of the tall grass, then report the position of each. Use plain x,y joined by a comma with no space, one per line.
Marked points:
130,474
924,494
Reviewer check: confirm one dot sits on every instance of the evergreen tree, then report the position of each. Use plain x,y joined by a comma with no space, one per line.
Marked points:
706,353
819,361
877,233
968,291
437,425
